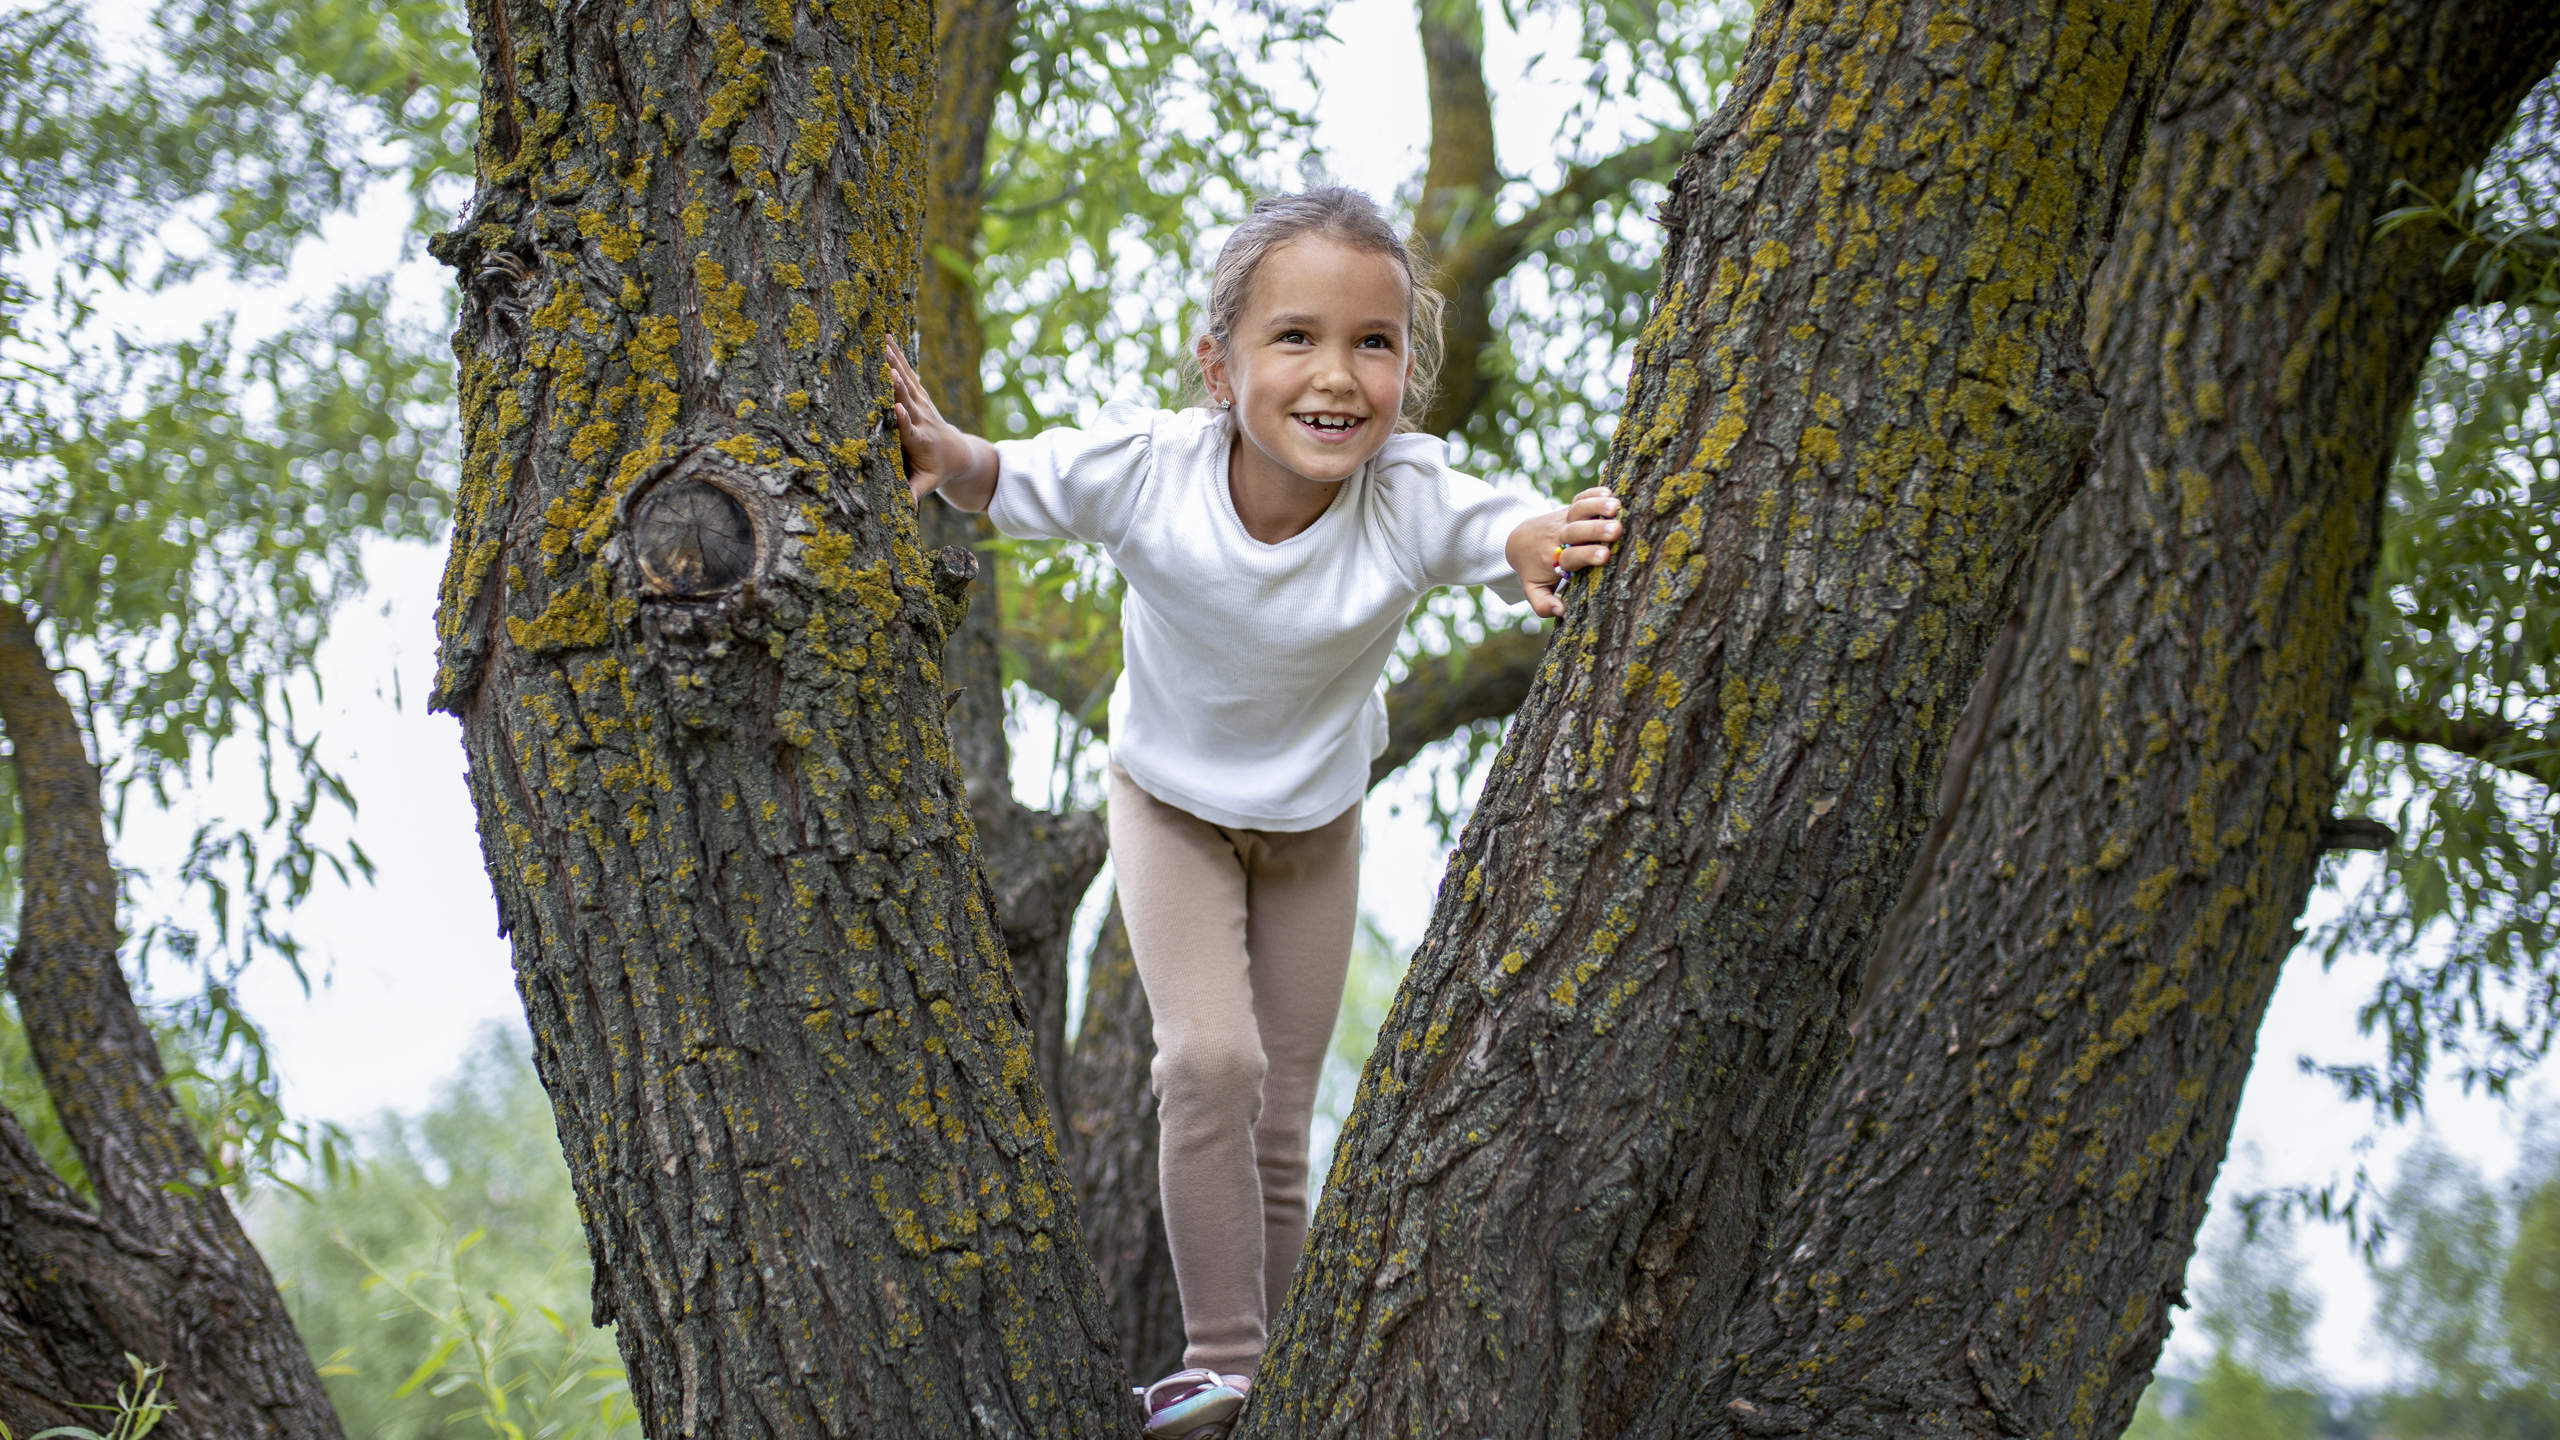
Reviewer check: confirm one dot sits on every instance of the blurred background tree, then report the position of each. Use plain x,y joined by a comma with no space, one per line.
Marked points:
443,1283
2259,1383
2461,1342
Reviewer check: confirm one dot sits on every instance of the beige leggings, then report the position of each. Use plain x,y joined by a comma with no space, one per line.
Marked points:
1241,939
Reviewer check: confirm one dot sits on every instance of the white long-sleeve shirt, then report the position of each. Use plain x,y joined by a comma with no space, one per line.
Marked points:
1250,689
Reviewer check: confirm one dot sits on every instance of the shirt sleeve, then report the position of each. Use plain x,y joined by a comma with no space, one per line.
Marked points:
1450,526
1070,484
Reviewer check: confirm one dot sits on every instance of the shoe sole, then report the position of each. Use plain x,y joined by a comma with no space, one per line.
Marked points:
1200,1417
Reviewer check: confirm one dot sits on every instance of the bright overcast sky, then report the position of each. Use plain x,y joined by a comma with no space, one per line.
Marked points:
411,967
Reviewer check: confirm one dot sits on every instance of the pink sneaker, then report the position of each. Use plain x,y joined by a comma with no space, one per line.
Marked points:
1193,1404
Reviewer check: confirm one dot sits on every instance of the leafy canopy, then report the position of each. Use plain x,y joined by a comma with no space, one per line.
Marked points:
2453,735
182,515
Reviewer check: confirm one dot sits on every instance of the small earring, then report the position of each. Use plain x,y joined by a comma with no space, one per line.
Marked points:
1226,404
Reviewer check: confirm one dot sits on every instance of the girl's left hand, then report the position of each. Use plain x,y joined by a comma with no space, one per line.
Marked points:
1545,550
940,455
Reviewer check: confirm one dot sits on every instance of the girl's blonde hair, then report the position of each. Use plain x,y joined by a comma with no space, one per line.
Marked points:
1338,213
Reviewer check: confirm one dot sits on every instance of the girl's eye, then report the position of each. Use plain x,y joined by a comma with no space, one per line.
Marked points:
1293,337
1378,342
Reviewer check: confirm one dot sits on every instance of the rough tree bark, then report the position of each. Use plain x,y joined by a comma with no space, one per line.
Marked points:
160,1268
695,647
1862,395
1111,1107
2002,1195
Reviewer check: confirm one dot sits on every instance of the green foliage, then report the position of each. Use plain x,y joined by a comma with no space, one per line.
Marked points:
225,1084
181,516
2232,1401
356,92
442,1282
1567,315
137,1409
2468,1298
2452,738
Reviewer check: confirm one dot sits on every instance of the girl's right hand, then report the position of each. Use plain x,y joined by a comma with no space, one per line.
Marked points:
940,455
1545,549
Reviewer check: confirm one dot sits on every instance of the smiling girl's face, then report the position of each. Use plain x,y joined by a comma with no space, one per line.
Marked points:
1316,364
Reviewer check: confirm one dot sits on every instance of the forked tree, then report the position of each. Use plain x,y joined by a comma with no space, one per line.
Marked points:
696,646
1862,395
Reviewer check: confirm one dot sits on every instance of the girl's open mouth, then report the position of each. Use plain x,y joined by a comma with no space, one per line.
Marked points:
1331,427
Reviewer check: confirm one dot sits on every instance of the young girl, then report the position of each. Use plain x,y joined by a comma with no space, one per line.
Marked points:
1273,544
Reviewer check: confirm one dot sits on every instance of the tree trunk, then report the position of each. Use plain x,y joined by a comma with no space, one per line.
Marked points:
695,647
1112,1110
2002,1195
973,53
161,1268
1862,395
1459,185
1040,864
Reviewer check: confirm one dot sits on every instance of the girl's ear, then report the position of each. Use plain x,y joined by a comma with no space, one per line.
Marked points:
1213,365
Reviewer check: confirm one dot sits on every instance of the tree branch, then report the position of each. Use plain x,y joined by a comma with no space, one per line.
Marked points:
1586,185
195,1285
1470,259
1458,189
1462,174
2491,742
2356,832
974,54
1443,694
1077,679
